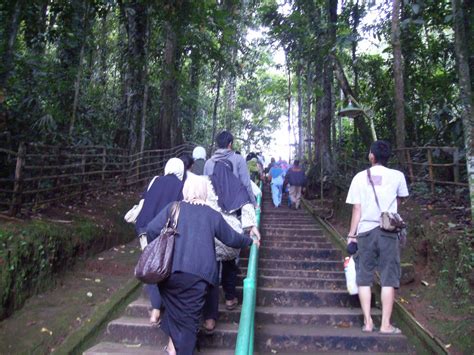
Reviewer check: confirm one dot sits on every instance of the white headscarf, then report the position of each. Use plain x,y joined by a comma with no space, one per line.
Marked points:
199,153
175,166
195,190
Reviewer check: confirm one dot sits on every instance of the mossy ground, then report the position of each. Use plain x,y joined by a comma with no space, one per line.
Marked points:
48,318
65,300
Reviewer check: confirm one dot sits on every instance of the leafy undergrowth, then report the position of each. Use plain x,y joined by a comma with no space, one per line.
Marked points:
35,251
440,245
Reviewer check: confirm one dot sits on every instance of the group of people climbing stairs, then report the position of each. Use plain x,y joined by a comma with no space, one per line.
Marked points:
302,302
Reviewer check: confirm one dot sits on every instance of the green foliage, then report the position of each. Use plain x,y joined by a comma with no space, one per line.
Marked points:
457,270
32,254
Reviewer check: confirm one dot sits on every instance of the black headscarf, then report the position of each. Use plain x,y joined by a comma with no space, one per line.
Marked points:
164,190
231,194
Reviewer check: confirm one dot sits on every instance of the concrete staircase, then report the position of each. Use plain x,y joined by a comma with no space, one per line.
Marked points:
302,303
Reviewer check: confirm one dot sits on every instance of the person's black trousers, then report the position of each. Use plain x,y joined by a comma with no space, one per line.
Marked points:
230,271
183,298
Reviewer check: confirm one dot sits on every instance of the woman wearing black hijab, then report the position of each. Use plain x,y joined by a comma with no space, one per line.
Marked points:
163,190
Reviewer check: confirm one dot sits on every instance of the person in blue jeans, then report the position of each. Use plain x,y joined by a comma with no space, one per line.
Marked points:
277,175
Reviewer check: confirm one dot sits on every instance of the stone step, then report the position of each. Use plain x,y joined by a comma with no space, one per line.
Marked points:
314,265
283,213
292,232
311,339
283,224
276,338
105,348
275,243
299,229
330,316
133,330
298,253
298,282
339,275
290,297
287,297
276,218
334,316
274,236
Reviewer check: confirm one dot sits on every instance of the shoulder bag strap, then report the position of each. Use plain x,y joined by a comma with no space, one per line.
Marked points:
373,187
175,214
151,182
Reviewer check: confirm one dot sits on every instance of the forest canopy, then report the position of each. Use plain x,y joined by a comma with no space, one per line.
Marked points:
142,74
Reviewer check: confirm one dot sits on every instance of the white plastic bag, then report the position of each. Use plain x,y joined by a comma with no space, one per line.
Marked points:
132,215
350,272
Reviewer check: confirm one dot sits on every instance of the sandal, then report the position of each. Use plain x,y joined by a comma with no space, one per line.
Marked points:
394,331
231,304
364,329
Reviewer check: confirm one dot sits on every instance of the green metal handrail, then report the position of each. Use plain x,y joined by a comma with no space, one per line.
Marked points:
246,333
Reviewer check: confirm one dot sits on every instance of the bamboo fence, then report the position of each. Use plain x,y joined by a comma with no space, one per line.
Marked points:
38,175
433,165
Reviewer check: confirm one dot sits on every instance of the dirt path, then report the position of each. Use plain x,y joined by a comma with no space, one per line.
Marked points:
48,318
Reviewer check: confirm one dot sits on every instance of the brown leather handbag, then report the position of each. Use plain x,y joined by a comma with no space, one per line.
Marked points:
156,260
389,221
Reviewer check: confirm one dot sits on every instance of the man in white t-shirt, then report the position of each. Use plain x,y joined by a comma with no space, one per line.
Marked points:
377,249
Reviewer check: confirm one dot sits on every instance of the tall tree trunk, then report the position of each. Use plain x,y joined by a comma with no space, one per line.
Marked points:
398,80
462,56
216,105
144,117
77,82
309,106
103,50
299,73
324,109
8,46
233,9
195,80
289,104
169,91
355,25
77,86
145,86
360,123
135,17
230,97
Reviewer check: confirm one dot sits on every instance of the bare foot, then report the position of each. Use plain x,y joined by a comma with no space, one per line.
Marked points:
155,316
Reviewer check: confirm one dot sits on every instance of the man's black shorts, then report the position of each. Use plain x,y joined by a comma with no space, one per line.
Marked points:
378,250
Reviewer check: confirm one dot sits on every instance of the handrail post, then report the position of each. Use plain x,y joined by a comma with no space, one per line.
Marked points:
245,336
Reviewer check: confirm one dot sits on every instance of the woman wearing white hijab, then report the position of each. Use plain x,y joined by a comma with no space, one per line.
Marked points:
160,192
194,265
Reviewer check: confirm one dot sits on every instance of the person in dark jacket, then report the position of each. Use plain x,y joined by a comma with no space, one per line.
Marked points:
194,265
188,162
199,156
162,191
296,178
224,141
